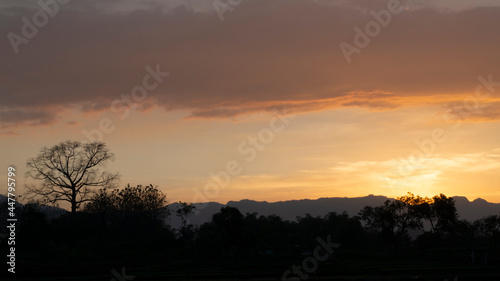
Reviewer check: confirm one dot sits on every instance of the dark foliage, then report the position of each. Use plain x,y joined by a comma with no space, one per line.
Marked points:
130,224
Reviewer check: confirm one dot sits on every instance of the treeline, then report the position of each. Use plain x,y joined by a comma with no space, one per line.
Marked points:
134,222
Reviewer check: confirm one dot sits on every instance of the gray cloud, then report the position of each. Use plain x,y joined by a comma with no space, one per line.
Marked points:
265,54
25,117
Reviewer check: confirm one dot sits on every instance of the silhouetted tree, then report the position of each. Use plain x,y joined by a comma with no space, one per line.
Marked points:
228,218
346,230
147,200
103,201
33,221
275,235
309,228
229,224
69,171
419,207
444,214
184,211
488,227
392,220
133,217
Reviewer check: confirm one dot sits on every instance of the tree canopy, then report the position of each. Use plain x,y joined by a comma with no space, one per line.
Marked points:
69,171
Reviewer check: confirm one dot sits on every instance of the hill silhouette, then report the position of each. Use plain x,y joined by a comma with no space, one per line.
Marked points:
289,210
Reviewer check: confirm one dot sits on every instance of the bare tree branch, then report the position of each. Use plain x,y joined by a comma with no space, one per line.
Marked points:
69,171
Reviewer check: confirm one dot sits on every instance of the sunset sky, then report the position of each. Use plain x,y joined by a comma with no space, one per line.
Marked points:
265,88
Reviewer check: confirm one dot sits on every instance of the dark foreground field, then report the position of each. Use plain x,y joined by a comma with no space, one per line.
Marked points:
121,242
340,266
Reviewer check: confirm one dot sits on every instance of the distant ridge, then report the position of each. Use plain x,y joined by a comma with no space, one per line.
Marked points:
289,210
476,209
50,212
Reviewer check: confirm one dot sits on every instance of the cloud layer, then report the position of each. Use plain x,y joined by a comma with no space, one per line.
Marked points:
265,54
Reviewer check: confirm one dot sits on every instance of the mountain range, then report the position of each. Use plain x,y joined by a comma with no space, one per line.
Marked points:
290,210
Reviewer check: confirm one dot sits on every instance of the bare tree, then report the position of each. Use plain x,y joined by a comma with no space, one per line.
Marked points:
184,211
69,171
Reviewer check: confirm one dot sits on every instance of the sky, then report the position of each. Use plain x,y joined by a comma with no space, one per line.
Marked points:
268,100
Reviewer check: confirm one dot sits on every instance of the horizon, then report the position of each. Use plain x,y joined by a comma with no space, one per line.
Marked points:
66,206
374,195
